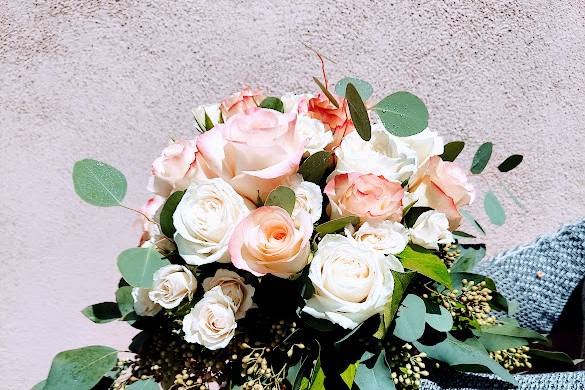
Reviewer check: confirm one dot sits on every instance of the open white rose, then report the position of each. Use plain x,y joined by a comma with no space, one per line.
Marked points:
426,144
294,102
431,229
235,287
314,131
205,219
143,305
308,197
212,111
352,283
384,155
386,237
172,283
211,322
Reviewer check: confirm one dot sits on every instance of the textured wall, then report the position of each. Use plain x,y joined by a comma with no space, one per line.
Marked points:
112,80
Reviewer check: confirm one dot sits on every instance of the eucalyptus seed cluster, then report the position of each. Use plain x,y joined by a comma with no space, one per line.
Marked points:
450,253
406,366
471,302
259,374
513,359
280,330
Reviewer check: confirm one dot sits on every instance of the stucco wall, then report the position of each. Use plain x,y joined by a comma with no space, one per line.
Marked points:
113,80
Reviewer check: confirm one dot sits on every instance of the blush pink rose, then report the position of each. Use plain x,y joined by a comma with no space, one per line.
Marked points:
269,241
445,187
240,102
337,120
254,152
367,196
174,169
150,208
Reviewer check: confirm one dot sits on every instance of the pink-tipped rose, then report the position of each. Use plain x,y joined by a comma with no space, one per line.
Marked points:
367,196
240,102
338,120
254,152
268,241
174,169
150,208
444,186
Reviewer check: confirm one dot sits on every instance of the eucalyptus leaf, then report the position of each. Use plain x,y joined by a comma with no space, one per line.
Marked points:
282,197
375,378
125,300
103,312
494,209
513,197
166,215
40,385
410,319
560,357
412,215
314,167
462,234
272,103
403,114
510,163
469,218
145,384
359,114
401,282
324,89
138,265
363,87
425,262
336,225
452,150
98,183
442,322
515,331
496,342
80,369
481,158
469,257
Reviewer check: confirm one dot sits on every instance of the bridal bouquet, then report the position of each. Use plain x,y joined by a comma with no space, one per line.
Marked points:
304,242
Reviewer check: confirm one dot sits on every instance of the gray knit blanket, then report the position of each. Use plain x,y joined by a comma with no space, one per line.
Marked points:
559,260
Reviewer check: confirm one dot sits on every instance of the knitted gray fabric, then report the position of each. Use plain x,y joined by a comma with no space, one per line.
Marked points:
561,257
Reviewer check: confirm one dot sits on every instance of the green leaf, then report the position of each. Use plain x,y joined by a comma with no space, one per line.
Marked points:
125,300
481,158
496,342
294,372
452,150
336,225
364,89
462,234
510,163
458,353
282,197
100,313
425,262
508,329
442,322
314,167
166,215
401,282
402,114
40,385
410,320
469,218
148,384
348,375
494,209
208,122
98,183
470,256
326,92
375,378
550,355
359,114
513,197
80,369
272,103
138,265
412,215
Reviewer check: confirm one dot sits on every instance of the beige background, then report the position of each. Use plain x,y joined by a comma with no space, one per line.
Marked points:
112,80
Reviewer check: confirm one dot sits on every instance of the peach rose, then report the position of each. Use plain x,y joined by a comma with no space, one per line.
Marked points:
268,241
240,102
338,120
444,186
254,152
367,196
174,169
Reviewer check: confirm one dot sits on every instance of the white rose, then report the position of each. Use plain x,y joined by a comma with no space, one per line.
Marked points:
308,197
431,229
235,287
143,305
314,131
211,322
205,219
386,237
426,144
172,283
294,102
212,111
384,155
351,283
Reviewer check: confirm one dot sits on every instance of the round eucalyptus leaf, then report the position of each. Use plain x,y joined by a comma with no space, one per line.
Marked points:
481,158
138,265
403,114
494,209
98,183
101,313
336,225
282,197
364,89
145,384
314,167
124,300
272,103
452,150
443,322
410,320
